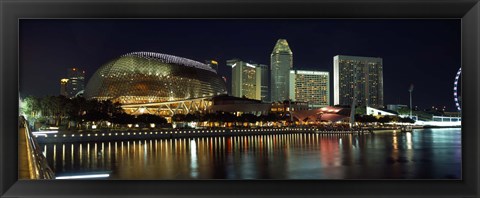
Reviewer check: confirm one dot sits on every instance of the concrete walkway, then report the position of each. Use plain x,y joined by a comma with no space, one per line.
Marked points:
23,160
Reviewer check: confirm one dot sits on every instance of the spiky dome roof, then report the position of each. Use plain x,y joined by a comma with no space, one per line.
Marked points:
281,47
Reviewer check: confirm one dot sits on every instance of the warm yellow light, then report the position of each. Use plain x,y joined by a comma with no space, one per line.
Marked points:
214,62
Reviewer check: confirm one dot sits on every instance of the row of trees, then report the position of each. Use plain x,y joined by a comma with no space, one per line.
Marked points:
227,117
223,117
76,112
56,110
73,113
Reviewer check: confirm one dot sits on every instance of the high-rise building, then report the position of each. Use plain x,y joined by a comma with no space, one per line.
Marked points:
212,64
63,86
76,82
262,73
360,75
281,62
310,86
248,79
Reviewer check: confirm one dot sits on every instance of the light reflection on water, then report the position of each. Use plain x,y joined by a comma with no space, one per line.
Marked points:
423,154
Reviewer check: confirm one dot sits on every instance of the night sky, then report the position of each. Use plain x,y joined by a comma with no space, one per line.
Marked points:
426,53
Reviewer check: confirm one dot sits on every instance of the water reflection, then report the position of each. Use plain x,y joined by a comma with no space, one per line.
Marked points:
425,154
193,159
409,140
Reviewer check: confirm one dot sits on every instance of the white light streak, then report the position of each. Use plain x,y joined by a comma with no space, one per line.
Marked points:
44,132
250,65
84,176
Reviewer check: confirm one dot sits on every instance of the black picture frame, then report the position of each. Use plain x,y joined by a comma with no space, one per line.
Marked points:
468,10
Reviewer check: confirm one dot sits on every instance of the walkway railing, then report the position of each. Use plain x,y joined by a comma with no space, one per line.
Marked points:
37,163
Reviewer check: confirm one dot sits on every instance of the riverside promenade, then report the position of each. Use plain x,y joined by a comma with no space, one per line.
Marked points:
92,136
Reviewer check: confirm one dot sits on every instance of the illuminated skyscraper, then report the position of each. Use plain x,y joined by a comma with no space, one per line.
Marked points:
63,86
248,79
362,74
310,86
76,82
281,62
262,73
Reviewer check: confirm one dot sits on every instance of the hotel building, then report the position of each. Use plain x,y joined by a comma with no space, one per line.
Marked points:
264,82
362,76
310,86
249,80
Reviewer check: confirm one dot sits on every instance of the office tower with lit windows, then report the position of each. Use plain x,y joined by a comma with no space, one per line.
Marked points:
281,62
248,79
262,74
63,86
360,75
75,83
310,86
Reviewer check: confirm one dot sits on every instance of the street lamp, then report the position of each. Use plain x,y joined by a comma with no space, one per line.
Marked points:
411,107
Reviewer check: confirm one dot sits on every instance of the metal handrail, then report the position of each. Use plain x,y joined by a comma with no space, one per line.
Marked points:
41,169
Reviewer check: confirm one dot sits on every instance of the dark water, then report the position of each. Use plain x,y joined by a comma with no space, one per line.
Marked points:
423,154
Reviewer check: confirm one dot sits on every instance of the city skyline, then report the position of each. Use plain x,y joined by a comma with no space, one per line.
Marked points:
396,83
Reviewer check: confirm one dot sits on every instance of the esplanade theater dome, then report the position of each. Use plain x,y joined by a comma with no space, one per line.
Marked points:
149,77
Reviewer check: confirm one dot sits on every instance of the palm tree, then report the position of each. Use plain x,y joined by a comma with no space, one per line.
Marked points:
58,108
76,110
31,107
47,106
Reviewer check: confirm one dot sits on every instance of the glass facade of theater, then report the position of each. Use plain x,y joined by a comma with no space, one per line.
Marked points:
360,75
148,77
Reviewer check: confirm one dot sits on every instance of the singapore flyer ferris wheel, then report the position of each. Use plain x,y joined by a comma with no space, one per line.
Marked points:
456,90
